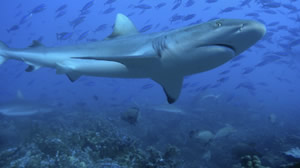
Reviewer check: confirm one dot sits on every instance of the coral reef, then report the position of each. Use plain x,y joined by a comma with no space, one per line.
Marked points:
253,161
131,115
92,143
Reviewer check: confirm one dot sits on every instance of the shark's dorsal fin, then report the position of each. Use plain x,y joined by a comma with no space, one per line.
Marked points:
172,84
35,43
123,26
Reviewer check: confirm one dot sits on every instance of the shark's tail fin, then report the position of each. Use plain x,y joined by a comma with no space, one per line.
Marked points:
3,47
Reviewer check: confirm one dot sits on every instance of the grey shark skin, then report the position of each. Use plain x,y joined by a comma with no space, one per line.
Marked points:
23,108
165,57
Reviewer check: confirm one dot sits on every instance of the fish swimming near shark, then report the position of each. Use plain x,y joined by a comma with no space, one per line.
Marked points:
165,57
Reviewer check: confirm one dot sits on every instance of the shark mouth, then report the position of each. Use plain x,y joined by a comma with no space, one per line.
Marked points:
220,45
226,46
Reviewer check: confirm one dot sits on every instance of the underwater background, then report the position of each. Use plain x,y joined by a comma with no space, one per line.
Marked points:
245,113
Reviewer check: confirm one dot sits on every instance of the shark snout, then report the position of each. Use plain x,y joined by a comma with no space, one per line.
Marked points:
245,34
254,28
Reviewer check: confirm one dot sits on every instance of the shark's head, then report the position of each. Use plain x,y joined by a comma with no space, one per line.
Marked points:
234,34
208,45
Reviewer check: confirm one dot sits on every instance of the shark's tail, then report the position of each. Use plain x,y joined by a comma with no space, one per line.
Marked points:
3,47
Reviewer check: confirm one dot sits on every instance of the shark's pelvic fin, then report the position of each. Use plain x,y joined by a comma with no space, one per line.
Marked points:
67,67
123,26
73,76
171,84
35,43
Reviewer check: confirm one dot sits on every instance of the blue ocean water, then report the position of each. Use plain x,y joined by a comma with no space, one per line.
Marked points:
253,99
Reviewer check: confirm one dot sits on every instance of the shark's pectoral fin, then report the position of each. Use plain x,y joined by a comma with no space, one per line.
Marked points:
171,84
73,76
31,68
123,26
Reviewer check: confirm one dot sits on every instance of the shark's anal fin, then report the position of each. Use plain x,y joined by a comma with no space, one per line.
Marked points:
171,84
31,68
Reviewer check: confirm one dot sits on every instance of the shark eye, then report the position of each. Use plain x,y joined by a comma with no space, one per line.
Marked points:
219,24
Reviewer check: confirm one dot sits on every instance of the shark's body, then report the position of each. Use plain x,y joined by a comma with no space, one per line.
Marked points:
22,107
165,57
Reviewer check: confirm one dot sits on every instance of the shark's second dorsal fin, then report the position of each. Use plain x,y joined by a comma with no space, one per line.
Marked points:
123,26
35,43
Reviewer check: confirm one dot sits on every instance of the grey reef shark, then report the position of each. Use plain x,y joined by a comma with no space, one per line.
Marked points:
165,57
21,107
